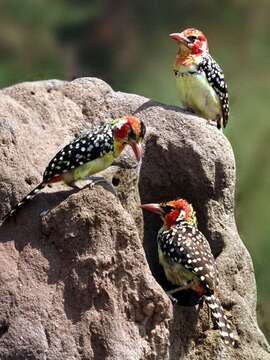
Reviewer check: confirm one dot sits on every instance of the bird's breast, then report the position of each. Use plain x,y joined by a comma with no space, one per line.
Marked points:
90,168
175,272
196,94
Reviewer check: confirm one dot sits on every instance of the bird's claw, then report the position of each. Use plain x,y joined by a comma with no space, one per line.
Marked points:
44,213
173,299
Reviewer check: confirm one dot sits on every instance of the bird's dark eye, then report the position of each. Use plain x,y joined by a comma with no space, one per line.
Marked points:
167,209
131,135
192,38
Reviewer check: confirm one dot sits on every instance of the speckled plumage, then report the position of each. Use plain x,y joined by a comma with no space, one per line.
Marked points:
82,150
215,78
89,154
199,79
185,244
187,260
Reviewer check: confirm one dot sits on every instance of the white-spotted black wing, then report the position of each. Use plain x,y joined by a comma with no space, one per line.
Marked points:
186,245
215,77
81,150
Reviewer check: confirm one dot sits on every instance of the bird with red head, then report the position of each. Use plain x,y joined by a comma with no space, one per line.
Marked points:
199,79
187,260
90,153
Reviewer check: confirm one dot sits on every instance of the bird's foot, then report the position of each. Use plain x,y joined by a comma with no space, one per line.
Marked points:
74,186
173,299
216,124
173,291
44,213
95,180
212,123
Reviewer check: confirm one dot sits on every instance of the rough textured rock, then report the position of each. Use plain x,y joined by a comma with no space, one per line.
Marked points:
75,283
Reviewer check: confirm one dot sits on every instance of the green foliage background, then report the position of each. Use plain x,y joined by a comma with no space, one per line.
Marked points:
126,43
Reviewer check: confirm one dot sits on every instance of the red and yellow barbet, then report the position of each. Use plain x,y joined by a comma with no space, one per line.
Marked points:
89,154
187,260
199,79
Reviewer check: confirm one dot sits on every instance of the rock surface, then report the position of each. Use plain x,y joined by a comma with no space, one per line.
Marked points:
75,283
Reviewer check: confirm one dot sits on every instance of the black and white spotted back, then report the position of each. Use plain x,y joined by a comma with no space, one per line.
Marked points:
186,245
215,77
85,148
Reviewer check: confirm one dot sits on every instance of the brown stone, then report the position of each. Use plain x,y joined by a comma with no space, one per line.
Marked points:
75,283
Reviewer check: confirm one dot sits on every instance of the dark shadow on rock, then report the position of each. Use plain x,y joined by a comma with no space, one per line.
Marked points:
24,225
220,180
184,323
217,242
70,245
28,227
63,237
180,180
152,103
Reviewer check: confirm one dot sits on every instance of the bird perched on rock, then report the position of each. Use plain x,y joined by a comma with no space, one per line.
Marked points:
90,153
187,259
199,79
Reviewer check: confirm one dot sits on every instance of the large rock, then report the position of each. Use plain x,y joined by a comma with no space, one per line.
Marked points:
75,283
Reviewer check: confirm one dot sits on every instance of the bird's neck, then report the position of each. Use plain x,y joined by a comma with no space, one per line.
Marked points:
169,226
185,59
118,148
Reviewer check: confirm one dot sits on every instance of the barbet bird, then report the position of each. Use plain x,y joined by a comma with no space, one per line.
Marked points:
199,79
89,154
187,260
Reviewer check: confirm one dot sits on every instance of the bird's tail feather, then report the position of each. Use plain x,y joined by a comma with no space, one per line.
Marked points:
25,200
221,319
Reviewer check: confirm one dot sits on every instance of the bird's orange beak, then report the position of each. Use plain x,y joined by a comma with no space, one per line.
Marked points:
137,149
154,208
179,37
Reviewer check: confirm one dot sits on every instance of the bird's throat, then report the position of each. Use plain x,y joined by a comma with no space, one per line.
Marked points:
184,59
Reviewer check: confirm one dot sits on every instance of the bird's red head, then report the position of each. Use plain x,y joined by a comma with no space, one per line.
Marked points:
173,212
192,39
129,130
